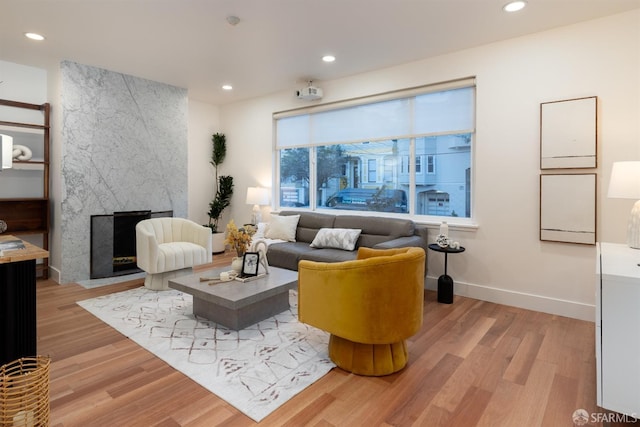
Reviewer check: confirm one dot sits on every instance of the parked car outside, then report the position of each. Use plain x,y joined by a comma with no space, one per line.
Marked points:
369,199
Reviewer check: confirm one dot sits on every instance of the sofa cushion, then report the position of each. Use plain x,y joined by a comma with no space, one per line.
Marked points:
287,254
337,238
261,227
376,229
310,223
328,255
282,227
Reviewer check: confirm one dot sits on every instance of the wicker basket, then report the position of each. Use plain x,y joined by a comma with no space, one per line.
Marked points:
24,392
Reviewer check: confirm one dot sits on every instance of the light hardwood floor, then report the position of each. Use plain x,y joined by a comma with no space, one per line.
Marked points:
473,363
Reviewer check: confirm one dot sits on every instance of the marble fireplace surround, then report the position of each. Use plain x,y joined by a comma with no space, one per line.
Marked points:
104,238
123,148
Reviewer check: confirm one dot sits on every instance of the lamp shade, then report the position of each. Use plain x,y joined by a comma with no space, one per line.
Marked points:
625,181
257,196
625,184
6,151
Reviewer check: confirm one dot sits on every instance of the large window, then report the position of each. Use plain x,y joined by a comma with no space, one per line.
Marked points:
294,177
405,153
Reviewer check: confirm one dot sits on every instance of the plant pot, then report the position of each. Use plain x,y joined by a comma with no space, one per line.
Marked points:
217,243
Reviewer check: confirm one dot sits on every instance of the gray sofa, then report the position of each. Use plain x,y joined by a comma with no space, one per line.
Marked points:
377,232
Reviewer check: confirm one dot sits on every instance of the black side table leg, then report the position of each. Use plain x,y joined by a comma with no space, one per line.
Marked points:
445,289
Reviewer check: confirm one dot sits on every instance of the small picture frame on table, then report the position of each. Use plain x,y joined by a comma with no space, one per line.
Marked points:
250,263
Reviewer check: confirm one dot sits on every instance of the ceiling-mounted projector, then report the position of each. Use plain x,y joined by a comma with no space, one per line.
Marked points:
310,93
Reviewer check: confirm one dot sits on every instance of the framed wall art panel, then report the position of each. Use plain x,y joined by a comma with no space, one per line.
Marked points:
568,133
568,208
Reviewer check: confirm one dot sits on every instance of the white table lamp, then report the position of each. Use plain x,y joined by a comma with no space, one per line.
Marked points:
6,152
625,184
257,196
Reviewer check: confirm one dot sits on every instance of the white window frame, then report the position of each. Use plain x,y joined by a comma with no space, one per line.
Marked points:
430,168
371,170
406,93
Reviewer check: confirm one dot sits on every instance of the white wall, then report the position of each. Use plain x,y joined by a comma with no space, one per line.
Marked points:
23,83
204,121
249,153
505,261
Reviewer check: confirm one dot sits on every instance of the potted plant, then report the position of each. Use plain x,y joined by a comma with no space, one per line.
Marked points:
223,190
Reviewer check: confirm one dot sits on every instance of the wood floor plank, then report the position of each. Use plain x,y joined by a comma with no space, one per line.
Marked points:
473,363
520,366
502,405
409,401
529,410
311,411
471,407
562,397
464,378
470,337
432,416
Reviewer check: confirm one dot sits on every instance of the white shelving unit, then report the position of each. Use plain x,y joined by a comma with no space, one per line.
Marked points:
24,189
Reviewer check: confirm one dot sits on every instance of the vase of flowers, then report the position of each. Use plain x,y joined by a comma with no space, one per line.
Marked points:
236,264
239,238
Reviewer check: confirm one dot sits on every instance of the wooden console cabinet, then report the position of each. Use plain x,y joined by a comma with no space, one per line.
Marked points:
24,189
618,328
18,321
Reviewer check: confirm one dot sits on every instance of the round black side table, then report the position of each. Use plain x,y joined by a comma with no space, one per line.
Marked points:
445,282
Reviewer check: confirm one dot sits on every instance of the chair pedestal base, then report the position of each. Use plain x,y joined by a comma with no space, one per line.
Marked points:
368,359
160,281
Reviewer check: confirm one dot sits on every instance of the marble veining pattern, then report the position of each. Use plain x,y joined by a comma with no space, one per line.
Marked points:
124,147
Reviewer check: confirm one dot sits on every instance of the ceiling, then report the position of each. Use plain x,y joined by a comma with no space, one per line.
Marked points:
277,45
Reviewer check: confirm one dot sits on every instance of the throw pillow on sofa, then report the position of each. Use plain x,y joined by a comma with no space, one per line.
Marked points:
283,228
336,238
261,228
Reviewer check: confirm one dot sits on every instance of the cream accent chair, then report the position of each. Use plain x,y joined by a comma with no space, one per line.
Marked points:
170,247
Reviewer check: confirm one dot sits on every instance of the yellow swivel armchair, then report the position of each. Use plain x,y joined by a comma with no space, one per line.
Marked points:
370,306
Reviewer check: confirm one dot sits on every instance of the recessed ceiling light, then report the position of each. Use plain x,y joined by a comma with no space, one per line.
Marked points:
233,20
514,6
34,36
328,58
227,87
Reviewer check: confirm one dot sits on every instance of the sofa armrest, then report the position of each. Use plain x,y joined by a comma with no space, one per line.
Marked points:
403,242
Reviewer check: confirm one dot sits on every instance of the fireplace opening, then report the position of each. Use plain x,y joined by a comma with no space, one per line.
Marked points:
113,242
124,239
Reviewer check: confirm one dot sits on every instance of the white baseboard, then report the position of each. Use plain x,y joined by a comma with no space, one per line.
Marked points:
54,274
527,301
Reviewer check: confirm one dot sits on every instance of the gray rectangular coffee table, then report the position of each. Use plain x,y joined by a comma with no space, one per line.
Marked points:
235,304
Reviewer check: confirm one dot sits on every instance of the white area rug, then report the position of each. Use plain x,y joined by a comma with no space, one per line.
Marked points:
256,369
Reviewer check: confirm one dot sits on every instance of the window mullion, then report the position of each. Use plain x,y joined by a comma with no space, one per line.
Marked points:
412,156
312,178
412,176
